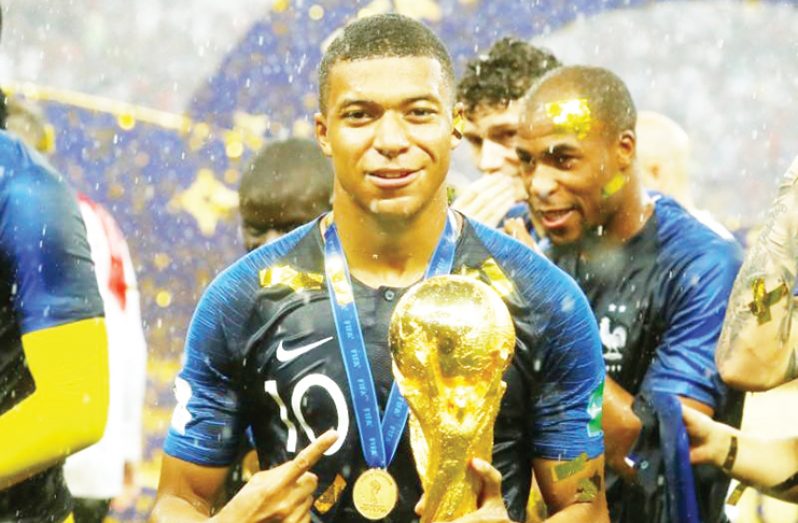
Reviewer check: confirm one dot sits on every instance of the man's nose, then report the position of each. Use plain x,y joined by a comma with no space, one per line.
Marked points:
543,183
390,139
492,156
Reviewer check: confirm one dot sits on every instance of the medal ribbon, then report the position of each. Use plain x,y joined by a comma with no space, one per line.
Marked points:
379,440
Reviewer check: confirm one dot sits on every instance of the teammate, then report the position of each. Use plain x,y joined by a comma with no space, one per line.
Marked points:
272,344
286,185
491,90
53,348
656,278
757,350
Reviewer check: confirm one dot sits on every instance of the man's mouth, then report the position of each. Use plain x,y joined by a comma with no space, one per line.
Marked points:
393,178
555,218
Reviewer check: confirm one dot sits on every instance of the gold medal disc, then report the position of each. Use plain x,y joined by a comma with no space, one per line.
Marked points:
375,494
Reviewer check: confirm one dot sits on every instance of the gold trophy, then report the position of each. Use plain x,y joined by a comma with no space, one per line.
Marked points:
451,338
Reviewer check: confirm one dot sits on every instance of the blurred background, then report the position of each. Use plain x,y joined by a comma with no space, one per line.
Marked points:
154,108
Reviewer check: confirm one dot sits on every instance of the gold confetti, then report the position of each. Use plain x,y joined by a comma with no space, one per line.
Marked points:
279,6
493,274
588,488
343,291
764,300
330,497
163,298
161,260
569,468
736,494
290,277
571,116
316,12
126,121
614,185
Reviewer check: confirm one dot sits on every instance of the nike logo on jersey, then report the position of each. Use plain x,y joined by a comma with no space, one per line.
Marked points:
284,355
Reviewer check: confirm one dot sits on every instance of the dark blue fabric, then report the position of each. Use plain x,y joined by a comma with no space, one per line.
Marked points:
660,300
233,371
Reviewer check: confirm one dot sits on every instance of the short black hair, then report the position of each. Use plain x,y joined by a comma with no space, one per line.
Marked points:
504,74
382,36
609,99
287,183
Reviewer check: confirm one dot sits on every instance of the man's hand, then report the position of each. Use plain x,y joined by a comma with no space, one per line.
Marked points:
283,494
489,198
490,505
709,440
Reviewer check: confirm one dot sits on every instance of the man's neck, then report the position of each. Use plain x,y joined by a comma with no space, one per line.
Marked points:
632,214
391,252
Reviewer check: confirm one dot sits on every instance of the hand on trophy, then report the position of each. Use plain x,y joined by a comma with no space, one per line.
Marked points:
490,505
452,338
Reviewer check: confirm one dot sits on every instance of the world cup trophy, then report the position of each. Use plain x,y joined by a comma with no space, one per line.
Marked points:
451,338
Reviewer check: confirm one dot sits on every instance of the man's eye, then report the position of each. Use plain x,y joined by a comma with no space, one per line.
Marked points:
523,156
355,115
475,141
505,137
565,162
421,112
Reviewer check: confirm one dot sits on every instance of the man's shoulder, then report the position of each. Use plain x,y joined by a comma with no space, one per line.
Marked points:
689,240
537,278
239,282
22,169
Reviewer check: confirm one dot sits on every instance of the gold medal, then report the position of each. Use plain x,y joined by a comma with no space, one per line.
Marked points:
375,494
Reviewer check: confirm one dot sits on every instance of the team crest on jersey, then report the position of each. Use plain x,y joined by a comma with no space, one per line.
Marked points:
613,337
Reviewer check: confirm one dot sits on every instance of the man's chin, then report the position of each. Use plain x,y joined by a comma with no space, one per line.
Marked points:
403,207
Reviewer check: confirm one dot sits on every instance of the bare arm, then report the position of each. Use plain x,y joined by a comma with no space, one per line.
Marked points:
574,491
622,427
757,348
771,465
283,494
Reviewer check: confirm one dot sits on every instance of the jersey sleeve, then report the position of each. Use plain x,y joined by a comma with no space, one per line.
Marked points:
206,423
566,414
684,361
43,241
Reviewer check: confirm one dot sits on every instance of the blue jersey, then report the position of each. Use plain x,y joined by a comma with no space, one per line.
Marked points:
47,279
660,300
262,351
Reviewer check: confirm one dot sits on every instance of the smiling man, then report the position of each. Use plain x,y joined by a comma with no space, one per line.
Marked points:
292,339
657,278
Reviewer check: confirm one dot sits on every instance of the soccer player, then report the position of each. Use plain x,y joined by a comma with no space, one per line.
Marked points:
757,350
272,342
490,91
53,347
287,184
657,279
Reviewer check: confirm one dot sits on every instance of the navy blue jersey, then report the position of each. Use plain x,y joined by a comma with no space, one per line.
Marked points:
262,351
46,280
660,300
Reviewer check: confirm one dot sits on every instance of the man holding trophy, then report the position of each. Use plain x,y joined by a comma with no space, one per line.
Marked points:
293,339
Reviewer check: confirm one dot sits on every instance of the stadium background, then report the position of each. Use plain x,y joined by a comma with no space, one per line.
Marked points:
156,109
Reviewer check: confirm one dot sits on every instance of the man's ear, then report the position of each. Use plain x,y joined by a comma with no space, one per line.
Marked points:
626,148
321,133
458,124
